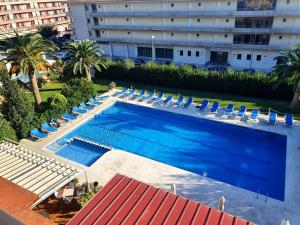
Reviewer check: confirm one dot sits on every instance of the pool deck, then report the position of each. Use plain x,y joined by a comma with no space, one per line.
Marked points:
257,208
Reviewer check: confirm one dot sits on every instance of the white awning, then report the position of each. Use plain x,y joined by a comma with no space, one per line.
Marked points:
32,171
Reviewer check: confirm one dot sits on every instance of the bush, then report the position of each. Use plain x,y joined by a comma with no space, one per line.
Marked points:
16,108
78,90
231,82
6,131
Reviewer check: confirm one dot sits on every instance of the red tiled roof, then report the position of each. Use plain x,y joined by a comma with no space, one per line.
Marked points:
126,201
17,201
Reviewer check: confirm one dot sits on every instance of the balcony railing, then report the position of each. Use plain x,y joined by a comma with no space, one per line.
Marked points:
250,42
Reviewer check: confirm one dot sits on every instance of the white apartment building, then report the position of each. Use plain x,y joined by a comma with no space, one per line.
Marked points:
242,33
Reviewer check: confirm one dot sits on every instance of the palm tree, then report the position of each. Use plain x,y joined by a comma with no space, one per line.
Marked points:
82,55
25,53
288,65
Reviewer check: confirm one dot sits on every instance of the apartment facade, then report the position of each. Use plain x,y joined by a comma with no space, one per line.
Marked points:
242,33
26,15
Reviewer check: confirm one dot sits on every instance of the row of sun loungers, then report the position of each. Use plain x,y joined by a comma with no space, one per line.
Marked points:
83,108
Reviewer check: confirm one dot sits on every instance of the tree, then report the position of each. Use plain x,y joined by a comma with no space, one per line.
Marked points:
48,32
26,54
82,56
288,65
16,107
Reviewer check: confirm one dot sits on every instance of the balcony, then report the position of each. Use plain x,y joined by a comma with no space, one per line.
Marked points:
193,43
215,13
256,5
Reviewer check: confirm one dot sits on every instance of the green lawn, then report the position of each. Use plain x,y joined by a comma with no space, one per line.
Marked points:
101,85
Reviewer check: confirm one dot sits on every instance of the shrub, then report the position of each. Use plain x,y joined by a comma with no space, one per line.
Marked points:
231,82
16,108
78,90
6,131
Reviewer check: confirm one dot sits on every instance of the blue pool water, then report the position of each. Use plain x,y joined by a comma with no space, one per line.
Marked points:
246,158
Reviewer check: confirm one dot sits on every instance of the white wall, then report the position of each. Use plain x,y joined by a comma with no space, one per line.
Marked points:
79,22
193,59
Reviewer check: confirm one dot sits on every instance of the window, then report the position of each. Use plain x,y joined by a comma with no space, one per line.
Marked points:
284,20
225,35
198,20
88,20
128,32
90,33
287,1
239,56
94,7
227,20
101,19
258,57
144,52
102,32
172,34
96,21
197,53
172,20
97,33
189,53
127,19
248,57
280,37
126,6
164,53
86,7
228,3
199,3
181,53
197,35
172,4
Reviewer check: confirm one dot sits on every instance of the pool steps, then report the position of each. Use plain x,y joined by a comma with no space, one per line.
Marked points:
92,143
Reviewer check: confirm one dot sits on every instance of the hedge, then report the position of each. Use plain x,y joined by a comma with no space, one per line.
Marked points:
231,82
6,131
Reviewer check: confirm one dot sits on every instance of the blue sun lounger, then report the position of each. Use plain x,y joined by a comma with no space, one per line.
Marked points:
288,120
229,109
68,117
254,114
168,99
55,123
140,95
120,92
149,97
94,102
159,97
215,107
204,105
188,102
242,111
180,100
46,127
35,133
103,97
86,107
272,118
130,93
77,110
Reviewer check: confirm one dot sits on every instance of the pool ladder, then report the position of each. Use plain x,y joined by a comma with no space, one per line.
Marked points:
267,195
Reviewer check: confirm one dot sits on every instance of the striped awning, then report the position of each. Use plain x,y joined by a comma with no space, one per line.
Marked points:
36,173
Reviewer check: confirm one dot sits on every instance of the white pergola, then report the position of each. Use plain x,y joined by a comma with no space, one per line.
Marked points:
36,173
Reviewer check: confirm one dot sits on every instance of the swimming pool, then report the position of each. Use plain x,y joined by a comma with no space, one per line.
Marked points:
244,157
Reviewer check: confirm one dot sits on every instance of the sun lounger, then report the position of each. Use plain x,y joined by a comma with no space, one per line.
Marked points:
86,107
188,102
77,110
215,107
55,123
288,120
272,118
168,99
254,114
149,97
103,97
129,94
242,111
204,105
180,100
49,129
68,117
229,109
94,102
159,97
120,92
37,134
140,95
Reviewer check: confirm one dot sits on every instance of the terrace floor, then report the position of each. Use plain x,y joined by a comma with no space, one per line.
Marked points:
257,208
